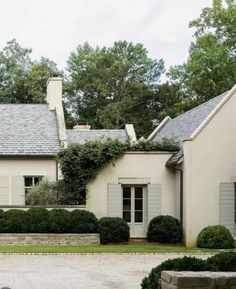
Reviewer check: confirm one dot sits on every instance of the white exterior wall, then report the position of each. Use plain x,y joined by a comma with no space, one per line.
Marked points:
134,165
20,167
209,159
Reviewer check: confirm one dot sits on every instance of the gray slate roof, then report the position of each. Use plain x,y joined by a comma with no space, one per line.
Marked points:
81,136
28,129
182,126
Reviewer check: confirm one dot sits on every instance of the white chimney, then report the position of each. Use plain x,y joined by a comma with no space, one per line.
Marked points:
82,126
131,133
54,99
54,92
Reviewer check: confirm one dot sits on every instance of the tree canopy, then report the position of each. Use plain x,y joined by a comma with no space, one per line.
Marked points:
211,66
23,80
110,86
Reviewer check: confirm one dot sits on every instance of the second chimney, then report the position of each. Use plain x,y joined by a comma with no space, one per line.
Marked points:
81,126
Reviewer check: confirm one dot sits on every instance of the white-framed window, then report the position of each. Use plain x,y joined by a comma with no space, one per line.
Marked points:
133,204
31,181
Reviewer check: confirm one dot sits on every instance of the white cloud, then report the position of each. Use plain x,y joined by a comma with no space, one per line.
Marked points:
54,28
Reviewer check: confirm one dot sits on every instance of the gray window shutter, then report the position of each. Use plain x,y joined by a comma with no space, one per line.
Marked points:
18,191
227,205
4,190
153,201
115,201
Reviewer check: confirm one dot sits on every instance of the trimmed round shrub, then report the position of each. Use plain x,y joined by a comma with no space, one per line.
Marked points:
59,221
83,222
164,229
37,220
215,237
113,230
225,261
178,264
15,221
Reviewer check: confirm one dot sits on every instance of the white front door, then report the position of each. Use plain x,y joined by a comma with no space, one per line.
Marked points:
134,210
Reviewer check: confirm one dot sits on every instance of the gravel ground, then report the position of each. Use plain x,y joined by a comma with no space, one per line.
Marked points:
95,271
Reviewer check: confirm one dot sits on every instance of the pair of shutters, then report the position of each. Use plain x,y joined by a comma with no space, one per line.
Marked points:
115,200
227,206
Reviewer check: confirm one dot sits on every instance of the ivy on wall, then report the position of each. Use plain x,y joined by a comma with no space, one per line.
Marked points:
80,162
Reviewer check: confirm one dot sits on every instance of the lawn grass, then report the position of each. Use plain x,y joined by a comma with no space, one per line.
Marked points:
129,248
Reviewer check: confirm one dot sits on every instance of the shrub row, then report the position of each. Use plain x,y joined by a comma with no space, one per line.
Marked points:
41,220
225,261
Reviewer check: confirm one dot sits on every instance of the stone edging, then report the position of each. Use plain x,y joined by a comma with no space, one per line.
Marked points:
49,239
147,254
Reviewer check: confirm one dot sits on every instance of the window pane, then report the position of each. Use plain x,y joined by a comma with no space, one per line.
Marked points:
127,192
127,216
126,204
28,181
37,180
138,205
138,192
138,217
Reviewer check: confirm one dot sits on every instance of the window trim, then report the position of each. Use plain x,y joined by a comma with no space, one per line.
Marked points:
33,181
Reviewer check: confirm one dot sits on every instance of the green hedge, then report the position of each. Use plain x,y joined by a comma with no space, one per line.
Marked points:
14,221
215,237
164,229
41,220
113,230
37,220
225,261
83,222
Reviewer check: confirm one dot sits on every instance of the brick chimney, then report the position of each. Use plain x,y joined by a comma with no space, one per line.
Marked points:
54,99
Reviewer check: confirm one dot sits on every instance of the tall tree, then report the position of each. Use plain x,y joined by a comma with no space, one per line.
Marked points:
211,65
111,86
23,80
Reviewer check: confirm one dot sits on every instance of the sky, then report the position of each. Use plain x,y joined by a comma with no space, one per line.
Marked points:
54,28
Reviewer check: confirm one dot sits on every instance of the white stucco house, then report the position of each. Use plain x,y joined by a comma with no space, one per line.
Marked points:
195,184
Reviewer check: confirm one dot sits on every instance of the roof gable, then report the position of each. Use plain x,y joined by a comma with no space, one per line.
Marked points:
184,125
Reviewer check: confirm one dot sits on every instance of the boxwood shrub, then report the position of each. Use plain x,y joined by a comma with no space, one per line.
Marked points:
37,220
59,221
113,230
164,229
14,221
177,264
83,222
215,237
225,261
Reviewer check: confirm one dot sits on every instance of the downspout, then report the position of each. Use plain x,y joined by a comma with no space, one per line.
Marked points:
181,194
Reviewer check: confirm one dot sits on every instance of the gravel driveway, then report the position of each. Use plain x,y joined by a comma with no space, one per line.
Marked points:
94,271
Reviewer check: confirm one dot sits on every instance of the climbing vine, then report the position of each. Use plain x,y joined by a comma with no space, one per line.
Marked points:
80,162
